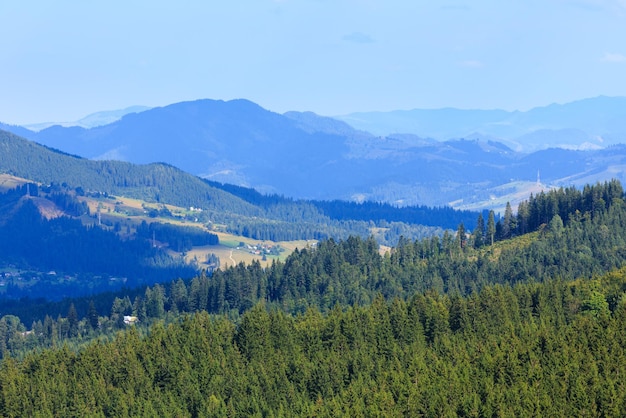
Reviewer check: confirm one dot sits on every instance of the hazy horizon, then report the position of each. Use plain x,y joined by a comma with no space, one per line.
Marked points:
64,60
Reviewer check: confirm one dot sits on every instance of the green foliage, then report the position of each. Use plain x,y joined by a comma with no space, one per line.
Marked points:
152,182
566,203
504,350
178,238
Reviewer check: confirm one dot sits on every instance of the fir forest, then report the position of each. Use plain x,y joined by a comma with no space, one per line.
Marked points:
519,315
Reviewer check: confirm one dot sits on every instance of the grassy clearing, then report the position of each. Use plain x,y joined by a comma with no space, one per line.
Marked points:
513,192
131,203
231,252
8,182
233,249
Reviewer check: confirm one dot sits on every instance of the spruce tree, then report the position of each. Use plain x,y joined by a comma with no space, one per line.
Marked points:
92,315
491,226
479,232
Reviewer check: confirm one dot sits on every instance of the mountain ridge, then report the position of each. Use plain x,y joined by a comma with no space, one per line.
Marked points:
600,120
92,120
237,208
308,156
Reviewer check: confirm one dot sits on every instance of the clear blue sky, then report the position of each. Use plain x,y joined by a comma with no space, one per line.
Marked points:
61,60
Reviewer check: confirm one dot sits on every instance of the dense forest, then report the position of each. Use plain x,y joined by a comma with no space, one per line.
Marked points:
178,238
340,210
537,349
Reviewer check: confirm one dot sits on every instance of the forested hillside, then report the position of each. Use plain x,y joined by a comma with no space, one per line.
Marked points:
550,349
58,256
152,182
340,210
353,272
529,325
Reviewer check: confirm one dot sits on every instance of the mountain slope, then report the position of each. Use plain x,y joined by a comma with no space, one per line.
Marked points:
154,182
236,142
17,130
420,331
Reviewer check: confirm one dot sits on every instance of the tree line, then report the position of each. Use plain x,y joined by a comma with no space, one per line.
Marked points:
340,210
562,205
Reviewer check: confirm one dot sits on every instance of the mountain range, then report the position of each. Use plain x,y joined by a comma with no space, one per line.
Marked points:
240,210
304,155
584,124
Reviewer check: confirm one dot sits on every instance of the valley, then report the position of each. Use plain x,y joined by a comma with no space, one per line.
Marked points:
313,209
310,304
125,214
340,318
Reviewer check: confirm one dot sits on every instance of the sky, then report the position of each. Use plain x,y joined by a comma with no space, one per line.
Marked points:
62,60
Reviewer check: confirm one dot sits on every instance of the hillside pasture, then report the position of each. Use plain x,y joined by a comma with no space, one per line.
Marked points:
8,182
231,253
513,192
232,250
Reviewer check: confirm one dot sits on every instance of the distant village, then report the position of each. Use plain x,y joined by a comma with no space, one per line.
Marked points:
261,249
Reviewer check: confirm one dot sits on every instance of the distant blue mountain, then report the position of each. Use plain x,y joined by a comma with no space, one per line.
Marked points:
236,141
589,123
91,121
